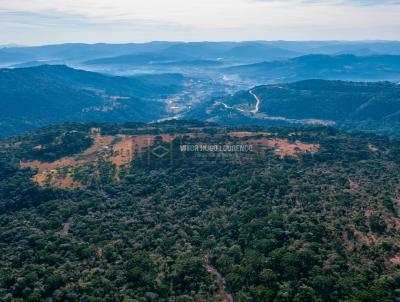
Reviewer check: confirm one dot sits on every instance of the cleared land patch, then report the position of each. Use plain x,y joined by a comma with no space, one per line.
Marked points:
118,152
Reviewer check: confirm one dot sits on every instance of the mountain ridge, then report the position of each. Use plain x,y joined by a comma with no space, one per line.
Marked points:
337,67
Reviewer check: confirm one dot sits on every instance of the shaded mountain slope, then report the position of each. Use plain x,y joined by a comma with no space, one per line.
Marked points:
342,67
129,60
43,95
258,52
371,107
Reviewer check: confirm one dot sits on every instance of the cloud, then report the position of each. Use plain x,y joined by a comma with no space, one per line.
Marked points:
369,2
335,2
42,21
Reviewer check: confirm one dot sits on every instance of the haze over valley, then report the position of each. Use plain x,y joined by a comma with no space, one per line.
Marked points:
174,80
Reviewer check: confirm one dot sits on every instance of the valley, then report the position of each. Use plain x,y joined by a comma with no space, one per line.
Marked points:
72,95
231,83
262,171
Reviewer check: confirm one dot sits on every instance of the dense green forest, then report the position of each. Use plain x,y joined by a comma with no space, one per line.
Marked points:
320,226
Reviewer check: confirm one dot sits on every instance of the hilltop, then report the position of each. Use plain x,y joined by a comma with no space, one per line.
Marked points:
310,214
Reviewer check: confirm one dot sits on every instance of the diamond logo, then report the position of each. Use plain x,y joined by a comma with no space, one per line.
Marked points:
160,151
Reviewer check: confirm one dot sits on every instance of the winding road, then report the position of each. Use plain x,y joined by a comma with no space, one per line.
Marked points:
230,107
255,113
257,102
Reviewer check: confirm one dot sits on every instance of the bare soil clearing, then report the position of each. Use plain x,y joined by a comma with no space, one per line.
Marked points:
285,148
120,150
225,294
66,226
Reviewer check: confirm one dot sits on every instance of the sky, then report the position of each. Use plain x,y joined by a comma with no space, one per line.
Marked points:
36,22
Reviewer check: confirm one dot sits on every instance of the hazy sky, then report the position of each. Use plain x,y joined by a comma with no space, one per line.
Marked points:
56,21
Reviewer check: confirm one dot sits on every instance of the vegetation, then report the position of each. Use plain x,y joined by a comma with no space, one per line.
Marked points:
53,94
315,227
347,67
351,106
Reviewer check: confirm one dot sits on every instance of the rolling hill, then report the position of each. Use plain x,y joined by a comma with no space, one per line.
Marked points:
48,94
373,107
366,47
183,53
258,52
130,60
305,215
7,56
340,67
81,51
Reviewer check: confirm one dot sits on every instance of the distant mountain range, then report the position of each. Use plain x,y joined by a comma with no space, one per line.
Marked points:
9,57
130,60
341,67
138,60
80,51
211,53
357,48
251,51
315,66
38,96
372,107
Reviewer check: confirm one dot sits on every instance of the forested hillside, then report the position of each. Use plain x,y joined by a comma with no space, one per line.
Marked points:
354,106
329,67
50,94
305,215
